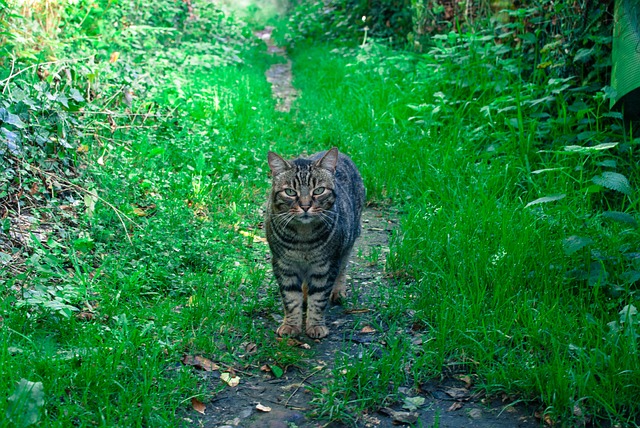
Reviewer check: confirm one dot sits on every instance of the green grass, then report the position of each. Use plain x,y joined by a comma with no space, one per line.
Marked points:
495,283
453,141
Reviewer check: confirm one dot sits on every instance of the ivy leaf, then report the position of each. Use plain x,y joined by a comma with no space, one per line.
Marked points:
76,95
613,181
11,119
25,403
12,139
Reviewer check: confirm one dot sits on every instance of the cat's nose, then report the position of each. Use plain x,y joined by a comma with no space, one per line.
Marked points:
305,208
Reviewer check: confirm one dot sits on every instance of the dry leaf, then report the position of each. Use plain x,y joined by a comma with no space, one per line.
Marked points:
199,362
139,212
83,148
230,379
198,405
400,417
457,393
294,342
468,382
251,348
367,329
455,406
114,57
85,316
263,408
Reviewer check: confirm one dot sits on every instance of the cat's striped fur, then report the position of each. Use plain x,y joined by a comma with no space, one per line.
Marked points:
312,221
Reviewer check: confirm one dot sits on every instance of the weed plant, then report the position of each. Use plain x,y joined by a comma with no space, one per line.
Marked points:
516,252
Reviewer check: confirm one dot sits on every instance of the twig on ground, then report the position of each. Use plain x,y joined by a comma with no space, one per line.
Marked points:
295,391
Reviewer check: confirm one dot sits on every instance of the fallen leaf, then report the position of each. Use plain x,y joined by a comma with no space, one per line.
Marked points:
85,316
83,148
299,344
230,379
468,382
198,405
400,417
277,371
455,406
474,413
139,212
412,403
457,393
199,362
251,348
263,408
367,329
114,57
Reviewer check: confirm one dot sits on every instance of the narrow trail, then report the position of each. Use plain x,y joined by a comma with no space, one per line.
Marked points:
451,402
279,75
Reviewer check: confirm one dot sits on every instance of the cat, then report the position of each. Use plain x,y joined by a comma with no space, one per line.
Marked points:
312,221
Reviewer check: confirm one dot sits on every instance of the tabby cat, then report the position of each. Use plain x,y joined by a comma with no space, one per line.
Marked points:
312,221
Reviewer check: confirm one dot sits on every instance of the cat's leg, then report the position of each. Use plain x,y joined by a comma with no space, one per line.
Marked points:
317,301
339,290
292,300
318,295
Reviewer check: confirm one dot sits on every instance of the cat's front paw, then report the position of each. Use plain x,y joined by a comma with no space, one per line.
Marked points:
288,330
317,331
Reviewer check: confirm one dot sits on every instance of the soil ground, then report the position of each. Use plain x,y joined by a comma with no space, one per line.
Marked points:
450,402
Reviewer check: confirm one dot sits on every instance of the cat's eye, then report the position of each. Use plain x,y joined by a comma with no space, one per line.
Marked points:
290,192
318,191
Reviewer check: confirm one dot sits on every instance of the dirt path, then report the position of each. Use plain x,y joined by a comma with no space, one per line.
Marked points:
448,403
279,75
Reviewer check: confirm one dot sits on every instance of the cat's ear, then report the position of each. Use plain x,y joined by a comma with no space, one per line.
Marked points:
329,160
277,164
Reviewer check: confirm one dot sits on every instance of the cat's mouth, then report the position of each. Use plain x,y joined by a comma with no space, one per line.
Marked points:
305,217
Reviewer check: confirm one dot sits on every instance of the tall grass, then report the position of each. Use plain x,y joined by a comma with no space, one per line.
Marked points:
461,146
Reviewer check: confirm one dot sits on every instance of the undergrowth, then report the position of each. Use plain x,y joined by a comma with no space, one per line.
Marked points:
133,152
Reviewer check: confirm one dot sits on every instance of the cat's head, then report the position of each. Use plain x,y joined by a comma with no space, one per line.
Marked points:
303,188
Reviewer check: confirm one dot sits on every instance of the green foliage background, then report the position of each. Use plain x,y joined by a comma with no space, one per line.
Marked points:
132,145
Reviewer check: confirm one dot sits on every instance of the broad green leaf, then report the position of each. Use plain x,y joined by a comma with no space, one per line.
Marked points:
575,243
628,313
630,277
583,55
607,163
613,181
25,403
620,217
546,199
